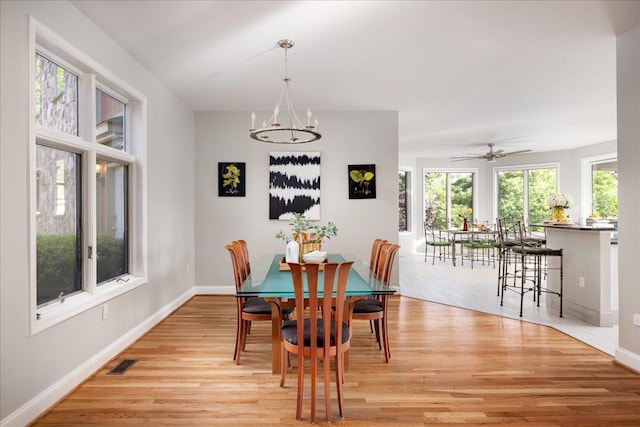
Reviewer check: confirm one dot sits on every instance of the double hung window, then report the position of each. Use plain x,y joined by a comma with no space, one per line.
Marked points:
88,189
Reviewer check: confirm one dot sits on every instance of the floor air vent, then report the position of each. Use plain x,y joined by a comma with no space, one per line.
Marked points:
122,367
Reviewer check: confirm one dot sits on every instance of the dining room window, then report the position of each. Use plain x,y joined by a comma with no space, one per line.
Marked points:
522,192
404,200
87,183
449,195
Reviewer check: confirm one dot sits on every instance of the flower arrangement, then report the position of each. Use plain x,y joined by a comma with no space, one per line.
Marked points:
304,230
560,200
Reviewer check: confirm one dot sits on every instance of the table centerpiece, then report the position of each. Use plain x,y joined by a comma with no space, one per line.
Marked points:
558,202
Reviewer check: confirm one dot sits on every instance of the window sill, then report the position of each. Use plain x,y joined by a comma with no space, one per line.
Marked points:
58,312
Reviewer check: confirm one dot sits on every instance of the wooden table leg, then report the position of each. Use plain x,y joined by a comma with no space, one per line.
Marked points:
276,325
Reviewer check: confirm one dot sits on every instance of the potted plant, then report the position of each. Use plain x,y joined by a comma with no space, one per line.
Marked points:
307,234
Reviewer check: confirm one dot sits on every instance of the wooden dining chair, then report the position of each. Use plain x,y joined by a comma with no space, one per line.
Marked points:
375,252
314,336
375,309
245,255
248,309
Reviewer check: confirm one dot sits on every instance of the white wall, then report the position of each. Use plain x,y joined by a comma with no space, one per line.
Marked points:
35,369
347,138
628,75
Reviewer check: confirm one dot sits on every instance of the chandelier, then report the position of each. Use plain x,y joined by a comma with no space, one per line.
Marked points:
292,132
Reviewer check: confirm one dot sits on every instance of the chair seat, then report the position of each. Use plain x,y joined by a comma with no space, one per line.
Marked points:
369,305
540,251
440,243
479,245
258,305
290,333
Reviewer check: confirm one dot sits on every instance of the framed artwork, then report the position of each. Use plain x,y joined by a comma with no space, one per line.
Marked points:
294,184
362,181
231,179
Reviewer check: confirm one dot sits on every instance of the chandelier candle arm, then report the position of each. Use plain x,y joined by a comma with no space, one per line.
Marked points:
294,132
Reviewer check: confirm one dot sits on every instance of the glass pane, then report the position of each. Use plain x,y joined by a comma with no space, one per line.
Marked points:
58,227
56,97
542,184
112,232
109,120
511,195
461,198
604,185
402,200
435,194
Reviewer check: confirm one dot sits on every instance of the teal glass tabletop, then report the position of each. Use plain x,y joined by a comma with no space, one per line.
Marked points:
268,280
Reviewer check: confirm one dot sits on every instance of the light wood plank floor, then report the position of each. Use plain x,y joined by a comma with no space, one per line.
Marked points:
476,289
448,366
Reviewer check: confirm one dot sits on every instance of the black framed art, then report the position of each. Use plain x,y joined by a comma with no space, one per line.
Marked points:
231,179
362,181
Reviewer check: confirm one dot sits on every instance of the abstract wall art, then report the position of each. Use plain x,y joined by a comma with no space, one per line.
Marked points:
294,184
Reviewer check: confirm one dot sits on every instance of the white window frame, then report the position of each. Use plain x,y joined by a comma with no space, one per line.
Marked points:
586,190
409,198
90,75
475,197
497,169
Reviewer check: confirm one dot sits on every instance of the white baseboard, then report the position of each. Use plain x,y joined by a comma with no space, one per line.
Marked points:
214,290
628,359
49,397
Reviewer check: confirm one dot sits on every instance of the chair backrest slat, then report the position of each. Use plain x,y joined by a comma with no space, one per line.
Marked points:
375,253
235,262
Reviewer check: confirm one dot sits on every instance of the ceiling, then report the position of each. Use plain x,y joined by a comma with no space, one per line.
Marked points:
534,75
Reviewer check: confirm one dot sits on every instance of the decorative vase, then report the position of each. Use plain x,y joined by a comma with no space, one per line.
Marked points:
465,225
293,252
558,215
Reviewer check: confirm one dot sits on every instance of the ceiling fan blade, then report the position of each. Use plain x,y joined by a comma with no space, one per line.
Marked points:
459,159
515,152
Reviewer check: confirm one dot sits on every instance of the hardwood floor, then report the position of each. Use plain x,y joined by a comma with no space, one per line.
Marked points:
448,366
476,289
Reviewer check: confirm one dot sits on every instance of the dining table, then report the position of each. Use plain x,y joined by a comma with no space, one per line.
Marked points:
459,236
271,280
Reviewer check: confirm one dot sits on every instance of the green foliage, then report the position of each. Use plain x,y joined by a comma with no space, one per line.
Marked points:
57,266
511,194
542,183
111,257
303,226
605,194
435,190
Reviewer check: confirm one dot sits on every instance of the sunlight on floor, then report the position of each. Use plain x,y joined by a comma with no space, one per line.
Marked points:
477,288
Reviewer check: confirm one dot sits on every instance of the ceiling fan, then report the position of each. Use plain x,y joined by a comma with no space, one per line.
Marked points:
491,155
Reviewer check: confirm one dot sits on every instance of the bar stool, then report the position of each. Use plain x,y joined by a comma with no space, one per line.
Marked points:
533,262
505,243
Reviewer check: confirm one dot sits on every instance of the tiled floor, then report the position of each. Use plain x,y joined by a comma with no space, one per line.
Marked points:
476,289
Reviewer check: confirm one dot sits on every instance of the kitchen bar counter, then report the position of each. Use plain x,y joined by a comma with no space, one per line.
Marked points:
587,270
